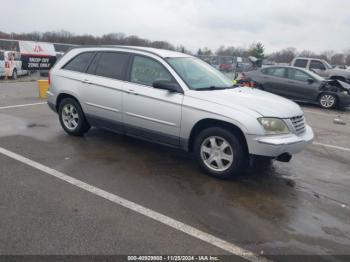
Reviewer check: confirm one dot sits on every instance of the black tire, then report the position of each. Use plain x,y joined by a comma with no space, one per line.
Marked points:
82,126
325,100
238,154
14,74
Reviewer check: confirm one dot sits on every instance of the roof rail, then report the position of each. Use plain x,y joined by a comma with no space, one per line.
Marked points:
121,47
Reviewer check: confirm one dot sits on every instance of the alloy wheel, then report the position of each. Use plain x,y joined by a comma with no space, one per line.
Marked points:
216,153
70,116
327,101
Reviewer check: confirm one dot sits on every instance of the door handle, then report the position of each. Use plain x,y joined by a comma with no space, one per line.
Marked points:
85,81
131,91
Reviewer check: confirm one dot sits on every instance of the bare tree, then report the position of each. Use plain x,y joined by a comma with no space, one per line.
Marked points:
338,59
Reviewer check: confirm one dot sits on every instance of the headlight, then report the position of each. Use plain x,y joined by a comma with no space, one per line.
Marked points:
274,126
345,92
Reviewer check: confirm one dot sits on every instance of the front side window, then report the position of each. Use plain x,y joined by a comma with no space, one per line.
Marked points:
146,70
298,75
111,65
80,62
300,63
1,55
317,65
197,74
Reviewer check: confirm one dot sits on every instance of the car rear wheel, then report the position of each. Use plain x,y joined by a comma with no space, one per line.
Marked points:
219,153
72,117
327,100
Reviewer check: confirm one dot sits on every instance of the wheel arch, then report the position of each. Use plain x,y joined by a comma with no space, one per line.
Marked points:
338,77
210,122
62,96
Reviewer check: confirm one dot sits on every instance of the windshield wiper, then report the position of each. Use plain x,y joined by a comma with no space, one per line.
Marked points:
213,88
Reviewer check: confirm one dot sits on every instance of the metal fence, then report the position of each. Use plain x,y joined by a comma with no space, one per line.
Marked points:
231,66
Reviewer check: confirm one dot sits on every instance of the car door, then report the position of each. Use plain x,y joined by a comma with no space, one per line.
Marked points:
151,113
102,89
301,86
319,68
274,80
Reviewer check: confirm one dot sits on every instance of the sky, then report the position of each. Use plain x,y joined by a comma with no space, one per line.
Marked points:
315,25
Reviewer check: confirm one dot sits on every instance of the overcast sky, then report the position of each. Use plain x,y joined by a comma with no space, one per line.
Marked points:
305,24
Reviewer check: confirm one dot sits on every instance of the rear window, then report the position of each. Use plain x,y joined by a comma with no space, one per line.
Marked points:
300,63
111,64
80,62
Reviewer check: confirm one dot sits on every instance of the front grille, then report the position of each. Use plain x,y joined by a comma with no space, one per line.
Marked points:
298,123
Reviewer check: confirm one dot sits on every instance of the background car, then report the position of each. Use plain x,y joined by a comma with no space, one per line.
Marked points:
302,85
322,68
10,61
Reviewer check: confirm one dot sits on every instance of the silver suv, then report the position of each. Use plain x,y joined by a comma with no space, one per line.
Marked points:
176,100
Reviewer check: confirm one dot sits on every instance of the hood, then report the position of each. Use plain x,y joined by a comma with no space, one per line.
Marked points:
261,102
341,72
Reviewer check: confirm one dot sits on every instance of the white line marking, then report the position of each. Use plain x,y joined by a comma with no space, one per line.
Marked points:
15,106
333,147
194,232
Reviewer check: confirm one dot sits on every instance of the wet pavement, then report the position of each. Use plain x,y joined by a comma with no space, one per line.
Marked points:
296,208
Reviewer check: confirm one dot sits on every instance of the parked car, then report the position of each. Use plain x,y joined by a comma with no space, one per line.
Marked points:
302,85
226,67
11,64
322,68
176,100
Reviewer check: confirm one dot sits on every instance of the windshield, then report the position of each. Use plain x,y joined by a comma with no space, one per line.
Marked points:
327,65
198,75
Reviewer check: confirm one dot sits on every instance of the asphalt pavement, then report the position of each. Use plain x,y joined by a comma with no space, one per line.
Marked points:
296,208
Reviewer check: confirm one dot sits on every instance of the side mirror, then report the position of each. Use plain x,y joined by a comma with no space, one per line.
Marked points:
310,80
167,85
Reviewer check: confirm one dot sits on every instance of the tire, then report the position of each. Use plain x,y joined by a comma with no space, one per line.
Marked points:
72,117
14,74
208,152
327,100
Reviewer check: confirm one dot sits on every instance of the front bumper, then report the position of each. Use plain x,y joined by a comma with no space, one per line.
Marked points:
344,100
274,146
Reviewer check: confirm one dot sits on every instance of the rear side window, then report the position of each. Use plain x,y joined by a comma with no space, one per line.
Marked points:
112,65
300,63
274,71
317,65
80,62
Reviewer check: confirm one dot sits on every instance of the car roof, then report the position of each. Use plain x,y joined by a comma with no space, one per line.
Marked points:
308,58
155,51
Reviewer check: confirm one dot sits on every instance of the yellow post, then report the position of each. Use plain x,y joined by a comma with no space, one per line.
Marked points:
43,88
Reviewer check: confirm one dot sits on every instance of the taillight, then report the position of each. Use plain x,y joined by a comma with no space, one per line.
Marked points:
49,77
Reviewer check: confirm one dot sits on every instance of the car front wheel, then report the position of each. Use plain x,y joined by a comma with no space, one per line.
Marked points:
72,117
327,101
219,152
